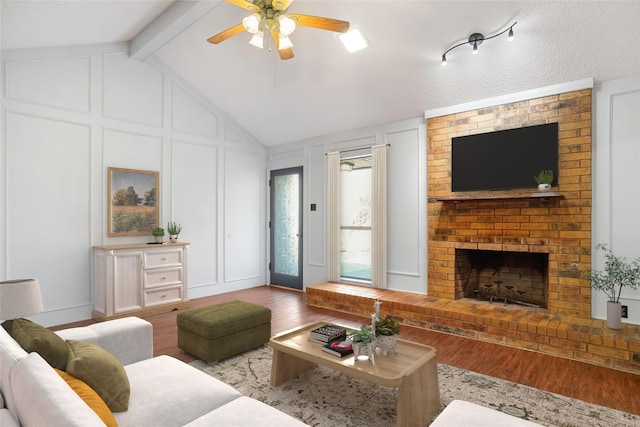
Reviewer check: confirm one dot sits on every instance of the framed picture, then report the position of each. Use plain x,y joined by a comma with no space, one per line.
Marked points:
134,202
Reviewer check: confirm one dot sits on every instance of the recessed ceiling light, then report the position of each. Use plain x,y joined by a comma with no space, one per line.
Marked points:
353,40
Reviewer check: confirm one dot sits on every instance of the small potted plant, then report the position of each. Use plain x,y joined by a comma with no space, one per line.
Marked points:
158,234
387,330
544,179
617,274
174,230
362,341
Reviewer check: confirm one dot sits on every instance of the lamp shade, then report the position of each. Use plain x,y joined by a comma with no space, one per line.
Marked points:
20,298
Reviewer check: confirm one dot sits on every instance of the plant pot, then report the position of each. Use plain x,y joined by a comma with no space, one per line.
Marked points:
158,239
614,315
386,343
173,238
543,188
363,351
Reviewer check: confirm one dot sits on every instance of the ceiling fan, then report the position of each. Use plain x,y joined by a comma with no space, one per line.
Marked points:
270,16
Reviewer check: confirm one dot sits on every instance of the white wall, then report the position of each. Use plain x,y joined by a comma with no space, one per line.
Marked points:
407,194
616,181
69,114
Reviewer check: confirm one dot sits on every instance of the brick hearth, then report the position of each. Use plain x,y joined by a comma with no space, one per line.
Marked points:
587,340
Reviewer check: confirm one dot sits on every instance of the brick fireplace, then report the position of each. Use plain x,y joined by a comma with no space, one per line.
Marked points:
514,221
540,245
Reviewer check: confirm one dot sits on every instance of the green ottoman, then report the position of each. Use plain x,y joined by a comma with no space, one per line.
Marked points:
222,330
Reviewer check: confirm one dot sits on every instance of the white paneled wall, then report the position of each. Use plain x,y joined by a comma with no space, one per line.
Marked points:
407,216
67,116
616,184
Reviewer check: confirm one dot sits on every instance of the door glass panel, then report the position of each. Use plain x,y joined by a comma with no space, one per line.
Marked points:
286,223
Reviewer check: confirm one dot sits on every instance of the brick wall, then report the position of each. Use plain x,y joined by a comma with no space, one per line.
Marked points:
560,227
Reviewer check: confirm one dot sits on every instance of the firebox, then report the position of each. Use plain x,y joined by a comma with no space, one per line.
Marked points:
502,277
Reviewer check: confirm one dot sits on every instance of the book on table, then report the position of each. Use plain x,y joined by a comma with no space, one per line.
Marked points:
327,333
339,347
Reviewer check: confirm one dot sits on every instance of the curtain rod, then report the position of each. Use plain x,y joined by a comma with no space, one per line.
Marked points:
358,148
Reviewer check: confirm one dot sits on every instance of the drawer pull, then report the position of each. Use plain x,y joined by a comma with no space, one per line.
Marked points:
164,277
163,259
163,296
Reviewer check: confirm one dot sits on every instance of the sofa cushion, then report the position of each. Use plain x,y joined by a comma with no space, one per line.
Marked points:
90,397
463,413
246,411
33,337
7,419
10,353
168,392
101,371
45,399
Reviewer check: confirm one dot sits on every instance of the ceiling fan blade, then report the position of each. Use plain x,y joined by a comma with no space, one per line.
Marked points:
284,53
281,4
245,5
229,32
321,23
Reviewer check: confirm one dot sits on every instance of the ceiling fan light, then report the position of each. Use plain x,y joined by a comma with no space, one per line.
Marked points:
251,23
257,40
353,40
284,42
287,25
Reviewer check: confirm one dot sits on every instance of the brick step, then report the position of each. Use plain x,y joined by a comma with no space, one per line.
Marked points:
587,340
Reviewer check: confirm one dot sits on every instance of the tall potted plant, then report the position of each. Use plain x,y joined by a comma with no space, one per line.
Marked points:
618,273
174,230
386,331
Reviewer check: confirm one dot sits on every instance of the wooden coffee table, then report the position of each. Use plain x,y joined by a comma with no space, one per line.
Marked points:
413,370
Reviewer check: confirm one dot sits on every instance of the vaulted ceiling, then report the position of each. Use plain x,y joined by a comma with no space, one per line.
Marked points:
324,89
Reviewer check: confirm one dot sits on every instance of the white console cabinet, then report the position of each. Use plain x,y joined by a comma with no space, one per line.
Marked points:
139,280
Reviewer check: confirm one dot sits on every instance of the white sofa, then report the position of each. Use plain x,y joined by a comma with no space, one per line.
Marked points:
164,390
460,413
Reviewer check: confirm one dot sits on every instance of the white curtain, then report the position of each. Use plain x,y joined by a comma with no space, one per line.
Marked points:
379,216
333,216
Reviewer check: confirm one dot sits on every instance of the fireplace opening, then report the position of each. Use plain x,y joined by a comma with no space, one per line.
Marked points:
502,277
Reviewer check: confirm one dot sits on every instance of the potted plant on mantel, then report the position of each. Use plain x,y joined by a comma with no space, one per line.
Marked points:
362,341
617,274
544,179
386,331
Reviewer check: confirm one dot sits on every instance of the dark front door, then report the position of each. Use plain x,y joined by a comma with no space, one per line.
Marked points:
286,227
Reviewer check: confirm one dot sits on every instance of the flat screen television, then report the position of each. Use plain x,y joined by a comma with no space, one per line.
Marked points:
502,160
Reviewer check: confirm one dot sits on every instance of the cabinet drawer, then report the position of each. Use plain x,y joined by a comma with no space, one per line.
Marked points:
162,296
162,277
162,258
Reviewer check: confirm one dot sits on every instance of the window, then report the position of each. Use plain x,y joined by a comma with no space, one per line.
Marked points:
355,219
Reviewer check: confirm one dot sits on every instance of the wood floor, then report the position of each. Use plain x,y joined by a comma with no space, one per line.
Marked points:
595,384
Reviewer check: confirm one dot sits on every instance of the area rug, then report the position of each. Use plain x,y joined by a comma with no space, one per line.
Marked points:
325,398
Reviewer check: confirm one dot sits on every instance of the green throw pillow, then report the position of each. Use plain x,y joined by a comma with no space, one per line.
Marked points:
35,338
101,371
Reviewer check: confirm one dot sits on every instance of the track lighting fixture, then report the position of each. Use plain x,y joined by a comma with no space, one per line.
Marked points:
476,39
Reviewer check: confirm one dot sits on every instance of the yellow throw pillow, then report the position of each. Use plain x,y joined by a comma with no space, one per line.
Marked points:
90,397
35,338
101,371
